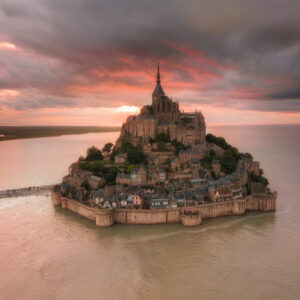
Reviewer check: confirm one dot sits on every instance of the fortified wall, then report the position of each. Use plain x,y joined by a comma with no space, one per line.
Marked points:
188,216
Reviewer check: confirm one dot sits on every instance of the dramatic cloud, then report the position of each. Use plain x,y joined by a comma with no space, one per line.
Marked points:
62,56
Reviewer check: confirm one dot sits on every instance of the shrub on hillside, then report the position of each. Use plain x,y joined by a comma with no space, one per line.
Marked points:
93,153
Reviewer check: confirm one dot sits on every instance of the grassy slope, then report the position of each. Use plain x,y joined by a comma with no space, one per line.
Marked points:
26,132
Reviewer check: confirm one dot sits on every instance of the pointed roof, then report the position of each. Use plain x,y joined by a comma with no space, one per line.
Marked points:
158,89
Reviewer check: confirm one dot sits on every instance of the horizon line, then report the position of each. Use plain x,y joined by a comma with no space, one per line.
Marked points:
119,125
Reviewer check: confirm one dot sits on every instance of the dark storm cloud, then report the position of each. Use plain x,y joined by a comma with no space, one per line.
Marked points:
72,39
284,95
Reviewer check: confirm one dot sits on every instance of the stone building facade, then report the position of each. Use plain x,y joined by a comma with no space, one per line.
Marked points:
164,116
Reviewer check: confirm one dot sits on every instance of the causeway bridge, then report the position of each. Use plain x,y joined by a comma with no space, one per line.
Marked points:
26,191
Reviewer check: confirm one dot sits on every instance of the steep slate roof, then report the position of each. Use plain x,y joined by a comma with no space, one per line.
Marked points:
98,193
223,191
158,89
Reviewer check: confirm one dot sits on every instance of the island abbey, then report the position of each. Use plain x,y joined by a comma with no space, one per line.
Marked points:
164,169
164,116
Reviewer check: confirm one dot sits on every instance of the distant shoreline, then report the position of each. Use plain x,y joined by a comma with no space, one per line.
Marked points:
27,132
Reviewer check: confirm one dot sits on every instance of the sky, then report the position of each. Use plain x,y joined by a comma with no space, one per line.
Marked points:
91,62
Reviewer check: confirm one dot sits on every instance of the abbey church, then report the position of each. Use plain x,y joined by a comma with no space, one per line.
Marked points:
164,116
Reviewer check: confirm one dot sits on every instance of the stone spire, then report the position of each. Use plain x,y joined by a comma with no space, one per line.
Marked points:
158,89
158,75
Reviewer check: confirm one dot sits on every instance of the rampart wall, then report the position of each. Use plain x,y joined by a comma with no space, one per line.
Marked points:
147,216
220,209
189,216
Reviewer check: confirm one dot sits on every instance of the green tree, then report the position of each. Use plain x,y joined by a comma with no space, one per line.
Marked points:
136,156
228,162
220,141
178,146
161,146
167,162
107,147
151,140
206,163
249,156
212,154
259,178
111,175
86,185
162,137
93,153
125,146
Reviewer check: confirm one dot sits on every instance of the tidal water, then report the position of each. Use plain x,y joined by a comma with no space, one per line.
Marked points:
49,253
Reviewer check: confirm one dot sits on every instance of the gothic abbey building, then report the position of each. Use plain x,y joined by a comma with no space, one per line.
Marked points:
164,116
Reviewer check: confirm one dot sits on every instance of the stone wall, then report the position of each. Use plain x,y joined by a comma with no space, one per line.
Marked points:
262,202
186,215
220,209
146,216
56,199
81,209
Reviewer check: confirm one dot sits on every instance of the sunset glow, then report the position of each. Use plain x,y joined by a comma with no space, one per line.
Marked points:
128,109
5,45
248,67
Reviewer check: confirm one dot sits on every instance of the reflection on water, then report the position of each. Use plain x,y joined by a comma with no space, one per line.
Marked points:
50,253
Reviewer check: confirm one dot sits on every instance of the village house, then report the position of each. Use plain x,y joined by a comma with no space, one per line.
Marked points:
162,174
129,200
223,194
95,181
153,176
237,191
173,203
123,203
195,172
180,200
149,189
199,198
195,162
97,196
137,201
106,205
123,179
198,182
120,158
138,176
185,156
158,203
